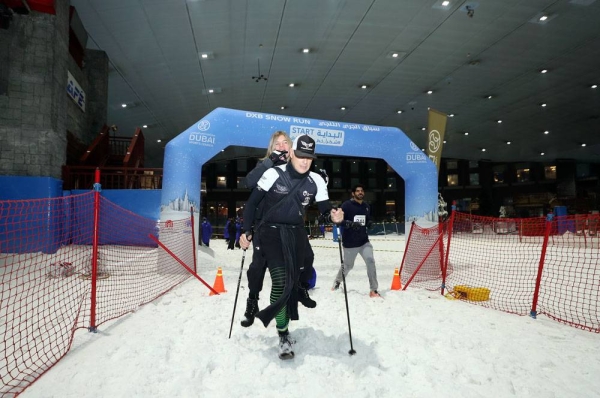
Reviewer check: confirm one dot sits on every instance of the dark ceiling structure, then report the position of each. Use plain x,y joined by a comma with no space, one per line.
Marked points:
516,77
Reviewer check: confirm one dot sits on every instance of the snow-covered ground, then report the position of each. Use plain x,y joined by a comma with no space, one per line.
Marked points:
412,343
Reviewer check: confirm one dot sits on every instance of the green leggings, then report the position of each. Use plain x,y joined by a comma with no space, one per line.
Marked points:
277,285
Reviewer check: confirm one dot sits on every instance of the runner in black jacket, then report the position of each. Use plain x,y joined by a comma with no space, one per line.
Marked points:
280,235
277,154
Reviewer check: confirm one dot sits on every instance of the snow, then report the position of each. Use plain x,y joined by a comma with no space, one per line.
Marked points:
413,343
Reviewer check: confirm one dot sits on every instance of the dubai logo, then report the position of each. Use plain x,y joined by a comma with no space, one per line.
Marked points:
204,125
434,141
416,156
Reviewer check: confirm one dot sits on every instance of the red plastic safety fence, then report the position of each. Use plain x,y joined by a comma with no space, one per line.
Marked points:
495,262
422,263
45,266
570,281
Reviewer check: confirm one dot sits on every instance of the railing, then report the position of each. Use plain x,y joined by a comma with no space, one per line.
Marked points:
98,151
82,177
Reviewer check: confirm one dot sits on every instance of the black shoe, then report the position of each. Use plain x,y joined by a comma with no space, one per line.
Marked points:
304,298
251,310
286,350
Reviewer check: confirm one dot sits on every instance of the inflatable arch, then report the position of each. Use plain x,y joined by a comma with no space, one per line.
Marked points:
186,153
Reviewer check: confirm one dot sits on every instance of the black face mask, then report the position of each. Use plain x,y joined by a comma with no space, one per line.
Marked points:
293,173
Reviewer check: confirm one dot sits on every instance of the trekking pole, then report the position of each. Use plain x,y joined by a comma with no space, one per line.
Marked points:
237,291
352,351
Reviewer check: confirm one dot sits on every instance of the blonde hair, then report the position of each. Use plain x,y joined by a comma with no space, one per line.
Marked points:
273,140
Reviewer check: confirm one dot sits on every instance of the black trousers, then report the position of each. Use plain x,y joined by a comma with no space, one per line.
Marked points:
258,268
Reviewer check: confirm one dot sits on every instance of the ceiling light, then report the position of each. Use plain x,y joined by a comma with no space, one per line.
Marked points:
507,142
364,86
211,91
482,149
283,107
583,144
123,105
543,105
499,121
306,50
400,111
423,128
145,126
490,97
466,133
343,108
594,86
544,71
546,132
207,55
159,140
429,92
445,141
543,17
542,153
292,84
451,115
445,3
394,54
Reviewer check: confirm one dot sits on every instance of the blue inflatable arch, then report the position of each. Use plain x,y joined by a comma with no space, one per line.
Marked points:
186,153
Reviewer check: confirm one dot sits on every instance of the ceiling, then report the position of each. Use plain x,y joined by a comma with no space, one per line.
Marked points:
155,47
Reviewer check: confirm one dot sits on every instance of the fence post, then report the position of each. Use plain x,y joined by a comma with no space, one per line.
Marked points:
412,225
97,189
538,279
194,238
445,267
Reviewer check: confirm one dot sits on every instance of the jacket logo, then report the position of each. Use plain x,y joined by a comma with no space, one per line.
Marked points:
281,188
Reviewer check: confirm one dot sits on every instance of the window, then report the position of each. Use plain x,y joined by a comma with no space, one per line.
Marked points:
390,209
452,180
242,165
371,166
452,165
354,181
221,167
473,178
239,181
337,165
221,182
473,164
337,183
354,167
391,183
550,172
523,175
582,170
499,174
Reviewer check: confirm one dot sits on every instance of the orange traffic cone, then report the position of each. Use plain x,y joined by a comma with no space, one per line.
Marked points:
218,285
396,284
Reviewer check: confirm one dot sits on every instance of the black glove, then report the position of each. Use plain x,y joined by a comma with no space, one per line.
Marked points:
278,157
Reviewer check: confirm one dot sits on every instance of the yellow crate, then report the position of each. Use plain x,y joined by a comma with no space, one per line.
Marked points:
472,293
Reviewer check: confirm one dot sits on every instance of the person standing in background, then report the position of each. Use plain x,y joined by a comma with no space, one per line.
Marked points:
206,232
355,240
231,232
